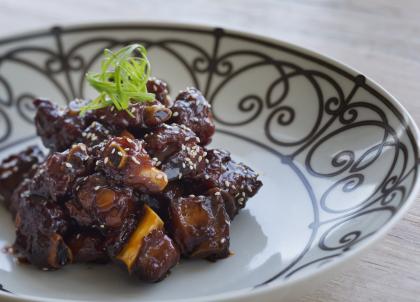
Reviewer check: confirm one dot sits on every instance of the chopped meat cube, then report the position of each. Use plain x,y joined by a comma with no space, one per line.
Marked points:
157,255
165,140
142,116
88,246
192,110
41,225
185,163
94,135
237,181
58,128
108,205
148,253
200,225
55,177
125,161
160,89
15,168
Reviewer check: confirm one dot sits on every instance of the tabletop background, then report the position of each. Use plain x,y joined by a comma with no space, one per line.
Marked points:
380,38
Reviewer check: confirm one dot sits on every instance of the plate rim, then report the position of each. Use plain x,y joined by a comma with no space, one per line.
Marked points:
333,63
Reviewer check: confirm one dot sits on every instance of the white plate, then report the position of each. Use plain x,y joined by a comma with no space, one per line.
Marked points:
337,154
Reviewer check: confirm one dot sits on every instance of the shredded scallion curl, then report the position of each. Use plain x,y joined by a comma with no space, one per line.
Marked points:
122,79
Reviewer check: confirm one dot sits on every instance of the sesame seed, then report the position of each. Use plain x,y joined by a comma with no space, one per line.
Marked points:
197,139
154,87
191,195
120,153
207,161
102,226
102,117
83,134
206,176
135,160
78,236
106,160
223,240
179,175
127,149
158,163
175,114
187,138
68,165
233,187
183,165
249,188
113,151
97,188
200,158
217,193
227,184
129,140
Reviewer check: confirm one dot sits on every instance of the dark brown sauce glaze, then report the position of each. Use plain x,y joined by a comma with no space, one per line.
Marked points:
140,189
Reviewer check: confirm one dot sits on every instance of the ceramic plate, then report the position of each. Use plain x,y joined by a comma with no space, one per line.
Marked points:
337,155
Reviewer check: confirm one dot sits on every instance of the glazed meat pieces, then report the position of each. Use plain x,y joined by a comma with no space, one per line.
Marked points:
148,253
126,162
58,128
192,110
237,181
88,246
15,168
160,89
55,177
200,225
141,116
108,206
157,255
175,148
137,188
41,225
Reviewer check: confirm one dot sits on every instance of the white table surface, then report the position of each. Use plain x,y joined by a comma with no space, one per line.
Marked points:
380,38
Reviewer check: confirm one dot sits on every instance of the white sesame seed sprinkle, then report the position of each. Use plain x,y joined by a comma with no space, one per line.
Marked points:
217,193
69,165
106,160
175,114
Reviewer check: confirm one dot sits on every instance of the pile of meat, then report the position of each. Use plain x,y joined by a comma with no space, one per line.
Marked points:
139,189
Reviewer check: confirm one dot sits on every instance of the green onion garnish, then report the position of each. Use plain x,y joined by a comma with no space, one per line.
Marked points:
122,79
